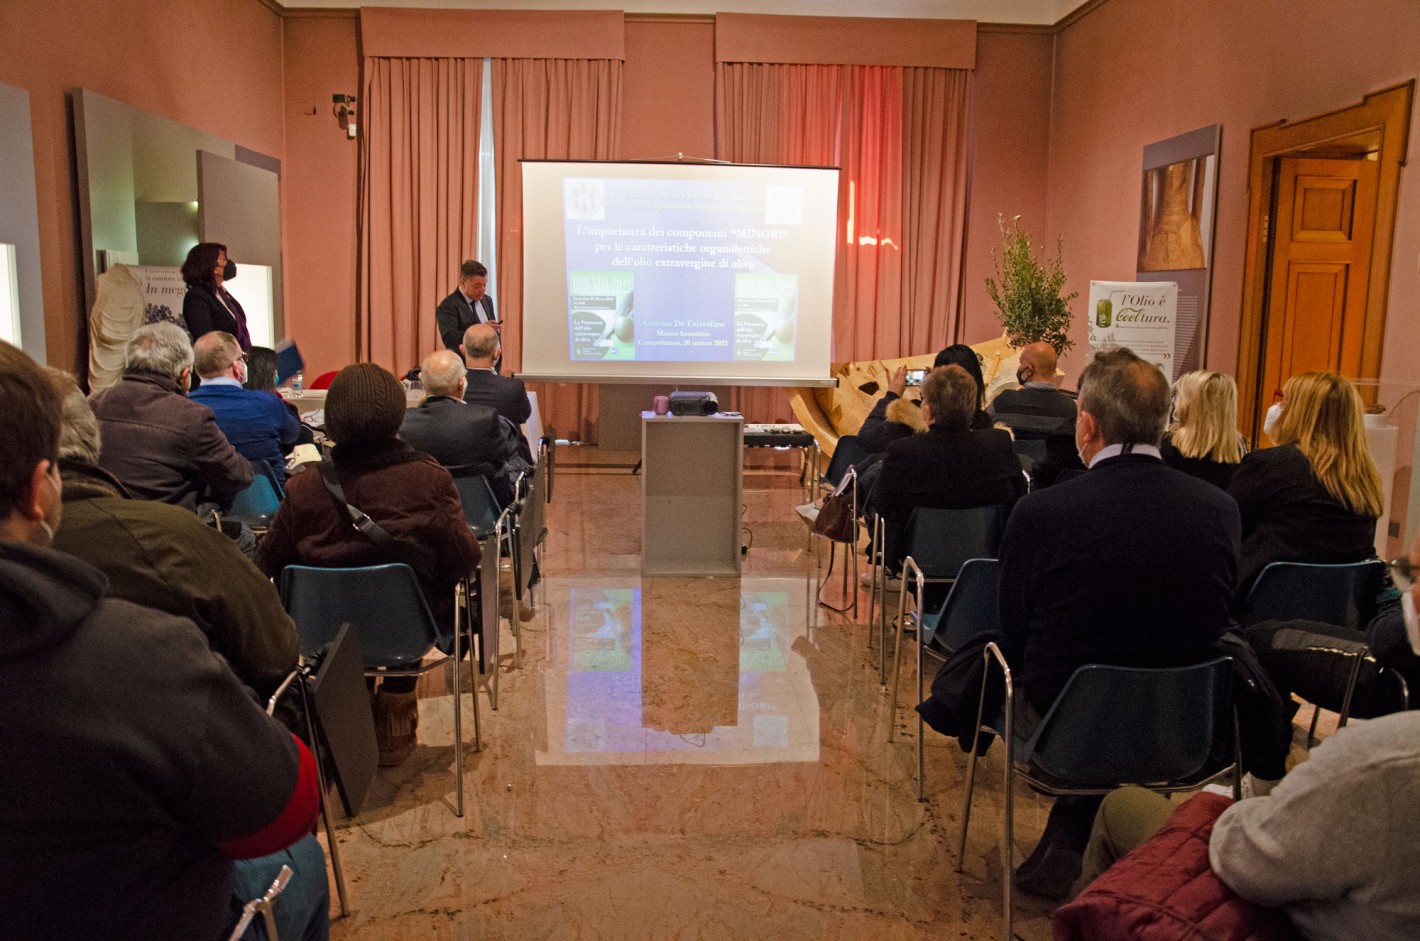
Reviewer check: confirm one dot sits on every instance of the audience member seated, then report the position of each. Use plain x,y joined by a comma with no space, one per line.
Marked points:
949,466
467,438
164,557
160,444
1203,441
257,424
262,377
1038,408
138,765
405,492
505,394
1317,495
1131,563
895,416
1336,843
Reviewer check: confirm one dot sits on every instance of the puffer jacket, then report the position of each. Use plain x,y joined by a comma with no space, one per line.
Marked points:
1165,891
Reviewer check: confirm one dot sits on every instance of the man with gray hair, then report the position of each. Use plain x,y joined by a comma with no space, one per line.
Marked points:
507,394
159,443
1131,563
258,424
468,438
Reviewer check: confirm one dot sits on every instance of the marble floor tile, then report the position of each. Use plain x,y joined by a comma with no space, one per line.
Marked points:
680,758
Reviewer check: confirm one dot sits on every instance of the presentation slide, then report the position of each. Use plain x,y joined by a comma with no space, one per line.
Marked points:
685,273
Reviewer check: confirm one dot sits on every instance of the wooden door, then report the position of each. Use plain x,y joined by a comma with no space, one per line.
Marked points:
1320,269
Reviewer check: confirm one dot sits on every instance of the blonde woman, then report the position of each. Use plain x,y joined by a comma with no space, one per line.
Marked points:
1317,495
1203,441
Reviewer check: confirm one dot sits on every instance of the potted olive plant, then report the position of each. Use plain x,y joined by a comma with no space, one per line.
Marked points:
1027,293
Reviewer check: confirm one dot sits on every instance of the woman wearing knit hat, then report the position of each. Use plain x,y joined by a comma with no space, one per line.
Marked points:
406,492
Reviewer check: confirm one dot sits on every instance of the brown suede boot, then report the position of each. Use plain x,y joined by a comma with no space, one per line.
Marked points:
396,726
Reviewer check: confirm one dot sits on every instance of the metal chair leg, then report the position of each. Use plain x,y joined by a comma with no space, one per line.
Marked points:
458,718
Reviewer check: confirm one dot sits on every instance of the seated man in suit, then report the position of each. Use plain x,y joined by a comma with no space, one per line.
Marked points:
1131,563
467,305
467,438
257,424
1040,416
949,466
505,394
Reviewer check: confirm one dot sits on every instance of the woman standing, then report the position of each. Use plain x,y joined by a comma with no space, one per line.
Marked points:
1203,442
1317,495
208,306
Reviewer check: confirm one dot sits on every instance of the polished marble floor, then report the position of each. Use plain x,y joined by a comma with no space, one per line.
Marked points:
681,758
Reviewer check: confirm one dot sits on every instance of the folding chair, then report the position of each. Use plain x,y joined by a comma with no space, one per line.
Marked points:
384,605
969,610
262,905
1169,730
939,543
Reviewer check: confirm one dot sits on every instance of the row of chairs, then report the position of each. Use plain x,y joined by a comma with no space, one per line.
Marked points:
374,621
1171,730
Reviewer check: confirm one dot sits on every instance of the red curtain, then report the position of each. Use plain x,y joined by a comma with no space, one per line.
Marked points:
899,136
418,200
558,109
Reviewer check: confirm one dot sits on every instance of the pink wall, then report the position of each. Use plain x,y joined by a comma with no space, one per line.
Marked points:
213,66
1010,138
1129,74
319,189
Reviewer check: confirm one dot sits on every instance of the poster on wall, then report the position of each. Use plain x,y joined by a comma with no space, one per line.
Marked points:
1141,315
129,296
1176,222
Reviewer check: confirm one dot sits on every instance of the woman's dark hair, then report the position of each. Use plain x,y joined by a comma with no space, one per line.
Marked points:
200,262
261,369
959,354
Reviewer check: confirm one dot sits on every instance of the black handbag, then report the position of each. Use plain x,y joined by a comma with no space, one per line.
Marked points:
837,518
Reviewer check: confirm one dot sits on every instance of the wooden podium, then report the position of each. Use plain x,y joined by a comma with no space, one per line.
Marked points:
691,490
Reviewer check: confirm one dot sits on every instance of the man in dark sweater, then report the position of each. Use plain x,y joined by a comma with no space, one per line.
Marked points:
1132,563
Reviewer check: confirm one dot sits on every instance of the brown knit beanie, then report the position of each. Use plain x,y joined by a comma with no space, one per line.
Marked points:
365,403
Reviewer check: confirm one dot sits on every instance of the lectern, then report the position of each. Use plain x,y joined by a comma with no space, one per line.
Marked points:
691,482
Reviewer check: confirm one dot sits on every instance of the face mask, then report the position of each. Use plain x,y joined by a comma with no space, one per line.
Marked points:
229,272
1269,424
1020,377
1412,621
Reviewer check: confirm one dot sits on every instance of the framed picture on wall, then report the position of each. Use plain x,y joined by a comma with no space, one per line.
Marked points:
1177,205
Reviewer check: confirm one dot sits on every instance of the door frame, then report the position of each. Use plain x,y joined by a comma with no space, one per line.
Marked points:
1383,118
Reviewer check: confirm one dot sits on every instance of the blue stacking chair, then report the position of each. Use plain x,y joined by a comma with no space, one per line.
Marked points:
386,608
1169,730
939,543
256,506
970,610
1342,595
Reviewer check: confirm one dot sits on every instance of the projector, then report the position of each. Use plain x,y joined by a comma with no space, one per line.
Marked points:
694,403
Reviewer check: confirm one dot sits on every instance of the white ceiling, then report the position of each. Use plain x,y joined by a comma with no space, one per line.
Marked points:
1046,12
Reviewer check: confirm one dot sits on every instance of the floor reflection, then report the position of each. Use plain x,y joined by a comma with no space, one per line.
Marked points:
682,671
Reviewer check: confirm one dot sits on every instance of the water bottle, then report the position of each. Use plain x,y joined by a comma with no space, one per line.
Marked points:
298,382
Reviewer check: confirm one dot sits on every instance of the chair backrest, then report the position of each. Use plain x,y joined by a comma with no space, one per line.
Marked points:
265,469
846,453
257,504
480,507
941,541
339,705
970,609
1115,725
383,603
1344,595
531,524
324,380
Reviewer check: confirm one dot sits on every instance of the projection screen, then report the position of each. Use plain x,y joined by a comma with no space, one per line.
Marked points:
715,274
